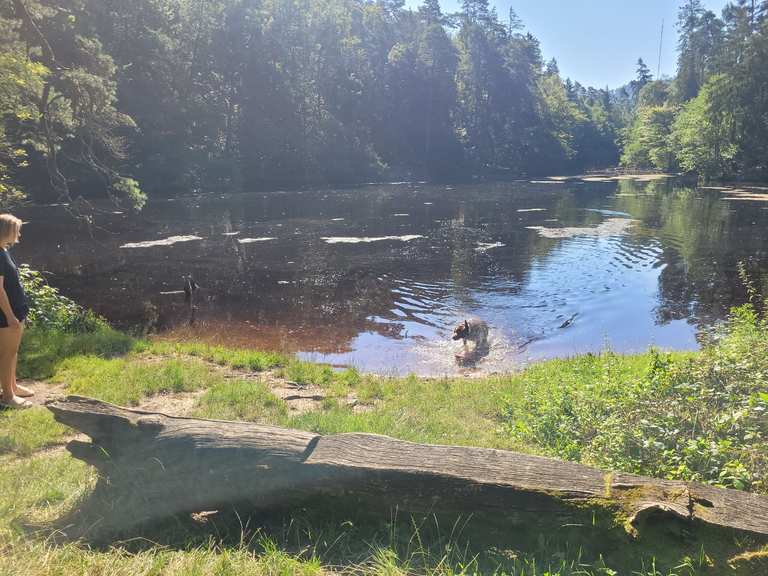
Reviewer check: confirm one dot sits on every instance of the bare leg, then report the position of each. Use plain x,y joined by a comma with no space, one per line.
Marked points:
22,391
19,390
9,346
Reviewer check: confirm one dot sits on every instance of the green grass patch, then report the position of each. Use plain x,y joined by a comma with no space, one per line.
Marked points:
242,400
437,411
39,489
43,350
24,431
305,373
125,381
237,359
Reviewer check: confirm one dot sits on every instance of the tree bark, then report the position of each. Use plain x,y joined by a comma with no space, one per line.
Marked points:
153,466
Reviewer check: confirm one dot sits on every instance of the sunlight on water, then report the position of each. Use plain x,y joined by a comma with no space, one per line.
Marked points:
376,277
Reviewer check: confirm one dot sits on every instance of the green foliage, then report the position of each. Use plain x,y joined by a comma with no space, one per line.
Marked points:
647,142
231,94
20,81
130,189
58,98
711,119
49,310
702,132
695,418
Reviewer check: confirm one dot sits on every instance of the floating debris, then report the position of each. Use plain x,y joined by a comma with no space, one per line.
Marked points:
400,215
360,239
485,246
251,240
611,227
532,210
164,242
230,233
337,219
605,212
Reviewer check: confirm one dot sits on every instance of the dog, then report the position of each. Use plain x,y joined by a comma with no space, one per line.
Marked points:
474,330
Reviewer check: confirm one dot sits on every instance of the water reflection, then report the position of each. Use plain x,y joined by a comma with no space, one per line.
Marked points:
376,276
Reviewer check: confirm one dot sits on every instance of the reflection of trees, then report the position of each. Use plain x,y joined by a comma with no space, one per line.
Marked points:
330,293
703,238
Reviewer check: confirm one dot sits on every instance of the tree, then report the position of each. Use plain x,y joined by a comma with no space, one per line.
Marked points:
701,133
643,75
75,131
701,37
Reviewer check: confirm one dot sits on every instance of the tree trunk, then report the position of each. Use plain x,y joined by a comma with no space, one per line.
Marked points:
153,466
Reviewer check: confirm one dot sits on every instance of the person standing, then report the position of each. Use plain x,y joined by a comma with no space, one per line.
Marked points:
13,311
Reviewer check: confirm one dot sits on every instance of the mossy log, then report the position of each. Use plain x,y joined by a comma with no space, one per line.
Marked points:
152,466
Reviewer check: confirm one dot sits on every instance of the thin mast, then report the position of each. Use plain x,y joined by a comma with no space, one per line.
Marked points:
661,41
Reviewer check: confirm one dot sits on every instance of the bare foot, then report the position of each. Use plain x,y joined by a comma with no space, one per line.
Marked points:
23,391
17,403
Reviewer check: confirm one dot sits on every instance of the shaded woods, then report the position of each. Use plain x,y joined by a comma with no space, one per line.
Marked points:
157,97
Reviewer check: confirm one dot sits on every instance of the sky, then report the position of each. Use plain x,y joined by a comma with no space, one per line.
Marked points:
598,42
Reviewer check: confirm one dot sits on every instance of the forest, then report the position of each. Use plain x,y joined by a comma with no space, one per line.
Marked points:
711,119
168,97
165,97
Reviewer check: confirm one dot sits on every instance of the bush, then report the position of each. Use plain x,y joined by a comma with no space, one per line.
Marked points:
702,417
50,310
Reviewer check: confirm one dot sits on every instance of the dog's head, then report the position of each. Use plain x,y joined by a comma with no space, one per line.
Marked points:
461,330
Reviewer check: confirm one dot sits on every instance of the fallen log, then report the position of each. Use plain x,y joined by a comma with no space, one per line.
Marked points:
152,466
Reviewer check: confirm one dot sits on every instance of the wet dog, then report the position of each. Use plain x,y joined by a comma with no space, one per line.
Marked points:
473,330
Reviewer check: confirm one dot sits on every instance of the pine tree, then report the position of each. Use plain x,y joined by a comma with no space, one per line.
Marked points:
643,73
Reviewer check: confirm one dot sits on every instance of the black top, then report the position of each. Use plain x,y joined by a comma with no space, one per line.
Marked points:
13,288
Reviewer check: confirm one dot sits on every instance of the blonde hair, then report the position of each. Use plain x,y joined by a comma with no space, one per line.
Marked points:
9,229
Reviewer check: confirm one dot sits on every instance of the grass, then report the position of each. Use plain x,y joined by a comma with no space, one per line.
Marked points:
24,432
700,416
43,350
242,400
237,359
125,381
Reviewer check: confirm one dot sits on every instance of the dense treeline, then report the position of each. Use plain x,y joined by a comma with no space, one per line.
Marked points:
712,118
172,96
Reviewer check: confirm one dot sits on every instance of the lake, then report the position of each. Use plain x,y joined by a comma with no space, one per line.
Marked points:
377,276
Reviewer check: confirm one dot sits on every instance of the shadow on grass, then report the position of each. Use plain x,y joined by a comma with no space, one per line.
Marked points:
43,350
363,536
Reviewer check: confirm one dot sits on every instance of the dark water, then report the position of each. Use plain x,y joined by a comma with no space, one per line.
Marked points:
376,276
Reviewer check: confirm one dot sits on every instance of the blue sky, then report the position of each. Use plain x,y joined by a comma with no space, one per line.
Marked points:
597,42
